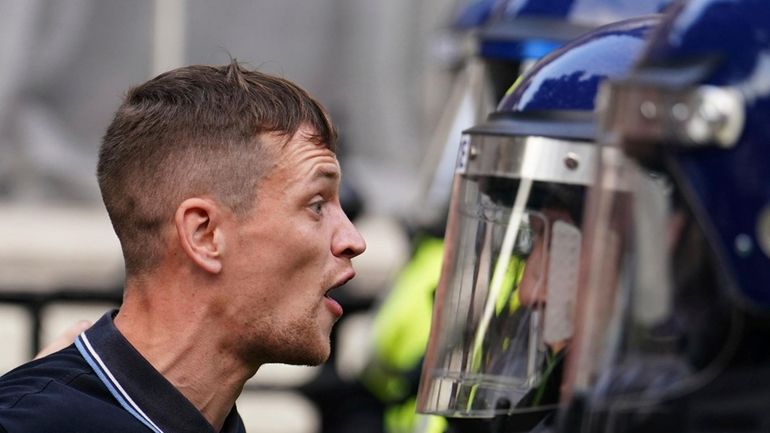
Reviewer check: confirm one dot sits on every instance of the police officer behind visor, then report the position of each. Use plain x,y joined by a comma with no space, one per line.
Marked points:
504,306
674,332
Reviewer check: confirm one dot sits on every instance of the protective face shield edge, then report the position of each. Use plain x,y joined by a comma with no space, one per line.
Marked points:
512,232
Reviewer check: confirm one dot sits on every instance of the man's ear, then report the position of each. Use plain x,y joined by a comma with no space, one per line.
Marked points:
198,224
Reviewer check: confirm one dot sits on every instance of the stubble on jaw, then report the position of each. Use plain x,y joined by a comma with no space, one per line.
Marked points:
296,343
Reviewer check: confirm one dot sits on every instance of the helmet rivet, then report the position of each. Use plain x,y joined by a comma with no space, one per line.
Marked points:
473,152
712,114
649,110
680,111
571,161
743,245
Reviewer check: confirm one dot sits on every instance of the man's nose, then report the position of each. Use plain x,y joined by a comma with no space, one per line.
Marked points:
348,241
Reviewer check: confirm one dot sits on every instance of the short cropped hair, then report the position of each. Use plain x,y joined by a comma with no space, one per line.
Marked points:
195,131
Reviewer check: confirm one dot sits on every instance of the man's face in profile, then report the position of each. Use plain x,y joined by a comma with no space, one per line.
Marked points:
292,250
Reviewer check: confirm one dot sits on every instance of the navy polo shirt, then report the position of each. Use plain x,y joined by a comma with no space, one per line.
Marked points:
99,384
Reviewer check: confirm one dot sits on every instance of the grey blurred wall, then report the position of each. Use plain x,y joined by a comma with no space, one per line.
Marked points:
65,64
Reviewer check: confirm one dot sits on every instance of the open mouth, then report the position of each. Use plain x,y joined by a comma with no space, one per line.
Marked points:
339,283
332,304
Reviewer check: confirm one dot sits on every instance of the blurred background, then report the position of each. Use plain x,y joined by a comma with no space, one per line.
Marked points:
385,70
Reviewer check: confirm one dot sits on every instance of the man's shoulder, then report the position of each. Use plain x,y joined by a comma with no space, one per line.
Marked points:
65,367
58,393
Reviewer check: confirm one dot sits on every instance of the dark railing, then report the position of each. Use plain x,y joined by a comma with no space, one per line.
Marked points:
34,302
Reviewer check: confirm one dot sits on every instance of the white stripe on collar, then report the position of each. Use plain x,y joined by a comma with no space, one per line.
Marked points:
93,359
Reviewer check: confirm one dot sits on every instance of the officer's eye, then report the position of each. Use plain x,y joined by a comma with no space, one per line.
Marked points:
525,241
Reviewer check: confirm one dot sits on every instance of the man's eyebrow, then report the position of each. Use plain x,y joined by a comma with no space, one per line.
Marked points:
326,173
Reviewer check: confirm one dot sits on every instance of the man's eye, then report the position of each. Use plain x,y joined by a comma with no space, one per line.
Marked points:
317,207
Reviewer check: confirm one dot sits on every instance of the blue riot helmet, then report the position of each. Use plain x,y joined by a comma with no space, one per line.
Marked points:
504,304
529,29
472,14
524,31
508,36
673,328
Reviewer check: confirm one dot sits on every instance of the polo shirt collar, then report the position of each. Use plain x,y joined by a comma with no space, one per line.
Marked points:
138,387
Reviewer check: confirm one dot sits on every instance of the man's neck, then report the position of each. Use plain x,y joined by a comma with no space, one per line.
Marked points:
181,343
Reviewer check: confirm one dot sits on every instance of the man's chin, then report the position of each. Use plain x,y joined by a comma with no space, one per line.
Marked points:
309,361
309,356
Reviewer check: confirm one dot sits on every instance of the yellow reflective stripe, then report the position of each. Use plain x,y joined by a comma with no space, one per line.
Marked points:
516,274
404,419
509,297
514,85
402,325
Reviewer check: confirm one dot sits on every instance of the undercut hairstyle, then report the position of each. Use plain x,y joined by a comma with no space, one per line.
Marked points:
196,131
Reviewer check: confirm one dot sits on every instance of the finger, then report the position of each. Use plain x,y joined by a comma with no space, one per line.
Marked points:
64,339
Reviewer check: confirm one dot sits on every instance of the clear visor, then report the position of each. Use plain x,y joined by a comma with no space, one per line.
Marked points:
652,324
504,306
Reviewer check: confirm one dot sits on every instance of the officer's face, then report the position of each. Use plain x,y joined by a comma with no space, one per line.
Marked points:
533,289
534,282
